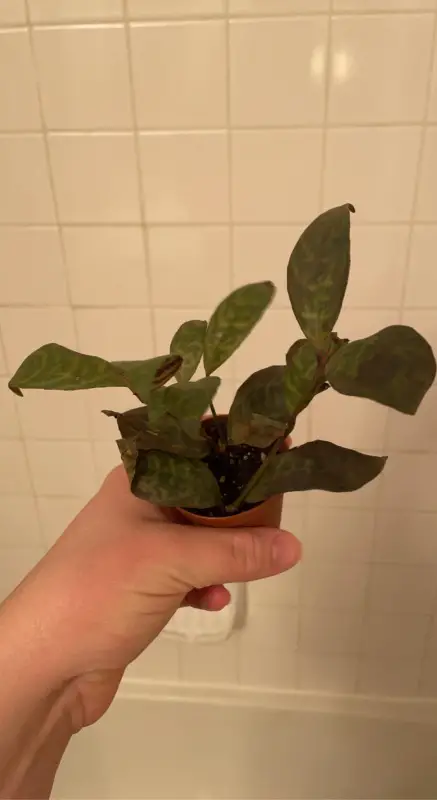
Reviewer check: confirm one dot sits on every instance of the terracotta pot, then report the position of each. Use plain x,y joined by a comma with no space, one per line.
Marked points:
265,515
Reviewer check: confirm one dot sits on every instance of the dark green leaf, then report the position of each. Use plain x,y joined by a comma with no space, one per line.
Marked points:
167,480
181,437
318,272
394,367
53,366
300,378
188,343
183,400
233,320
258,404
129,455
316,465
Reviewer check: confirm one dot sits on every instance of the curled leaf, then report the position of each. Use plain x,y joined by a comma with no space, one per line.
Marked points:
53,366
316,465
180,437
394,367
318,272
233,320
188,343
167,480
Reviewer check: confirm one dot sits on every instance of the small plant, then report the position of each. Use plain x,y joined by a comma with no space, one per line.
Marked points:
222,465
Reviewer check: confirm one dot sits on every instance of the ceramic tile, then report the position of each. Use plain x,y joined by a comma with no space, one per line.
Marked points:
84,77
118,334
402,588
16,563
189,266
375,169
339,536
16,61
209,663
359,323
35,273
329,632
107,456
431,643
276,6
327,673
157,9
378,256
408,482
296,161
418,433
62,468
25,194
26,329
268,343
12,12
14,474
366,87
53,415
421,286
9,426
364,498
273,628
349,421
406,538
383,5
262,252
106,266
389,676
261,667
95,177
332,586
185,177
18,522
3,368
277,71
395,635
432,107
280,590
426,207
189,88
75,10
425,322
56,513
159,662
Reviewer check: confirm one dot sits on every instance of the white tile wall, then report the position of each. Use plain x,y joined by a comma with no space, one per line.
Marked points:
153,155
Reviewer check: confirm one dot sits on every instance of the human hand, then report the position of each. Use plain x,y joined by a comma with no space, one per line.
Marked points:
114,579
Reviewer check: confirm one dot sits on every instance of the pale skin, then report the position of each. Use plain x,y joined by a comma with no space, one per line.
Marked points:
97,599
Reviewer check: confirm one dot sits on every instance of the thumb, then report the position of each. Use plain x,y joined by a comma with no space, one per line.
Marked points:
208,556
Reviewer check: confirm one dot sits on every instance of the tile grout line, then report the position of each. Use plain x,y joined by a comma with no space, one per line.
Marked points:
403,223
139,171
385,437
58,226
207,131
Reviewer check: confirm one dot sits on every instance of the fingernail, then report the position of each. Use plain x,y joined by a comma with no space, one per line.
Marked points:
286,550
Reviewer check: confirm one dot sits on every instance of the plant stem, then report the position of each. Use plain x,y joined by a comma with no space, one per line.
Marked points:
256,476
213,411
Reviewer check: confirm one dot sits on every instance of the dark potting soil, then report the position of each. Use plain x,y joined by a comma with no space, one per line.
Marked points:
232,468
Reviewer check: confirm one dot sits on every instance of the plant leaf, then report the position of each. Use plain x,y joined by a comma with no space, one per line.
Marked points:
316,465
188,343
167,480
318,272
129,455
183,400
300,375
53,366
180,437
259,414
233,320
394,367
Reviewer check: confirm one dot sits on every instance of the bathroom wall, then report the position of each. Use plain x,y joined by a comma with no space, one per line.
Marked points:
154,155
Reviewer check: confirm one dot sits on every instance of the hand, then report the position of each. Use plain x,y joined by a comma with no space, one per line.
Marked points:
115,578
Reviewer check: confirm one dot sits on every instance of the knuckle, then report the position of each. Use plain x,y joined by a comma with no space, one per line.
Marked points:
246,552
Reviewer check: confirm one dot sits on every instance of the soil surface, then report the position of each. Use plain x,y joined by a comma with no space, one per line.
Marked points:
232,468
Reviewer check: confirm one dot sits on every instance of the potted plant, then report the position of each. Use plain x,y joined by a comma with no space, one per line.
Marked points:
232,470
